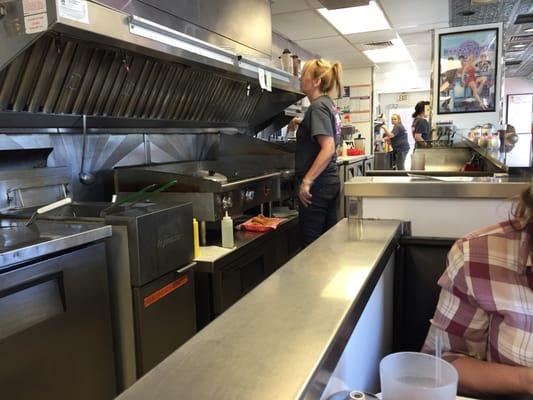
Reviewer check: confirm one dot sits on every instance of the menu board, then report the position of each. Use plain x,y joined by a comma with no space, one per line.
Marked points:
519,111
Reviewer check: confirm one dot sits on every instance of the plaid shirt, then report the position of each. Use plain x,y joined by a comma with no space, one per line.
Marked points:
485,309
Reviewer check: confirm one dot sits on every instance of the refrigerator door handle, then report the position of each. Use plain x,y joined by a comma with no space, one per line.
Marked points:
186,268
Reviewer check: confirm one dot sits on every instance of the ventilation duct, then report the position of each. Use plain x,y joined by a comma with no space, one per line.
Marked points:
376,45
125,71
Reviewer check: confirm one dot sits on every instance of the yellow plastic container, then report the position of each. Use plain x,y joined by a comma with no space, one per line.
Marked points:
196,237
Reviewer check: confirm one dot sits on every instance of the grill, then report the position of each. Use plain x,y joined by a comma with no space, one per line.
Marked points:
234,185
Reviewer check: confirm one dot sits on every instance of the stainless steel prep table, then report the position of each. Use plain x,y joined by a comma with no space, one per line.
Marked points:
20,244
222,280
275,341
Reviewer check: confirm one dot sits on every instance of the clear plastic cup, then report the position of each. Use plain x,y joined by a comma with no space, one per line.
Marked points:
417,376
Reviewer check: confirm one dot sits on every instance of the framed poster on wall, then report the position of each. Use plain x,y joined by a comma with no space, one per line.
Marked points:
468,71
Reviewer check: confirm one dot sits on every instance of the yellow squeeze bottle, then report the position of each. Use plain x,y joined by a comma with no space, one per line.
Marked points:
196,237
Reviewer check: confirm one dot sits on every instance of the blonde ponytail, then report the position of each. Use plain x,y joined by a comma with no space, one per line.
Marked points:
330,75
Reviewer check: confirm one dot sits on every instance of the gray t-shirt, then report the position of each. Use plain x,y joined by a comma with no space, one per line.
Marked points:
399,141
420,125
321,118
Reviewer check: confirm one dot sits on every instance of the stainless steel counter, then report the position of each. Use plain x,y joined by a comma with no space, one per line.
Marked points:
274,342
352,159
438,187
19,243
242,239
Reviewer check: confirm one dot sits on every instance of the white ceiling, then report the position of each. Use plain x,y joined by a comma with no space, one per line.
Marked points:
298,20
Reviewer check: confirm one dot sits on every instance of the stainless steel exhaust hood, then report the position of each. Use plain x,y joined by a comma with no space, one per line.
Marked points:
58,62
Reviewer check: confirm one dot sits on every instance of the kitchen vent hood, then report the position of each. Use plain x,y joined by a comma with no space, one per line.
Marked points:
58,62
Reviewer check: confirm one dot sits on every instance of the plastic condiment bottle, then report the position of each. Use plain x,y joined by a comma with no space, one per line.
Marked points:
226,226
196,237
344,151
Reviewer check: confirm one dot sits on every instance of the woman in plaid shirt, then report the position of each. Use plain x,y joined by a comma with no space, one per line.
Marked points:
485,311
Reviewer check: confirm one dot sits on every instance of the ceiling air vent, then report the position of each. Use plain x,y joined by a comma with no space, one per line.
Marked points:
511,63
336,4
524,19
521,38
376,45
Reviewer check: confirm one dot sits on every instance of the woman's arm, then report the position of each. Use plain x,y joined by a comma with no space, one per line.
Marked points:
388,133
294,124
482,378
327,149
462,326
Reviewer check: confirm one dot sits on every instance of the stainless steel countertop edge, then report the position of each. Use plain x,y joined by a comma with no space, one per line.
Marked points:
326,366
48,247
403,187
274,341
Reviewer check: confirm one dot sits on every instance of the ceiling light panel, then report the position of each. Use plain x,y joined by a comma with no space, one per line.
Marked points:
357,19
395,53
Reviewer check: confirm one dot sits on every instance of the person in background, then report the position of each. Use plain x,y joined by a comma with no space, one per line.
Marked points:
484,315
399,141
420,127
316,139
470,80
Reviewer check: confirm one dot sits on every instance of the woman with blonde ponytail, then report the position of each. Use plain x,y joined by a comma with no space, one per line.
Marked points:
484,317
316,141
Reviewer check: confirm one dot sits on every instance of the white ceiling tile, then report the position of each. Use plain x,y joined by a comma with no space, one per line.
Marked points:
419,52
413,13
418,38
366,37
302,25
349,59
327,44
314,4
283,6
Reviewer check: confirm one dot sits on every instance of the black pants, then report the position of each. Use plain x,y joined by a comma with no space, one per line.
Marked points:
400,159
321,214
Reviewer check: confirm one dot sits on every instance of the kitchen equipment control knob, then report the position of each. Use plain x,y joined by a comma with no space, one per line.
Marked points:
227,203
249,195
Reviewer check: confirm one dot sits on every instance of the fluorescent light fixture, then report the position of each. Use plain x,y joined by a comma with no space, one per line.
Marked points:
518,46
160,33
528,30
356,19
395,53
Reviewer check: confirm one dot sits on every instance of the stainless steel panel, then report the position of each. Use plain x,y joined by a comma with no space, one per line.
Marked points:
46,75
133,72
482,188
334,278
103,70
63,71
22,243
67,52
28,78
88,81
74,79
143,98
11,80
220,16
142,81
164,98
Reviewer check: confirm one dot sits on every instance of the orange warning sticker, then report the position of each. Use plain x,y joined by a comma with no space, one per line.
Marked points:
165,290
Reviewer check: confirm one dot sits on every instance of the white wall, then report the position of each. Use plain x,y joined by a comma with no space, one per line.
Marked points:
467,120
360,76
515,86
387,101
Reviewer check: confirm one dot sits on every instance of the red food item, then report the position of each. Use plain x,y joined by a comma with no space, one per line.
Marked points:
262,223
355,152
